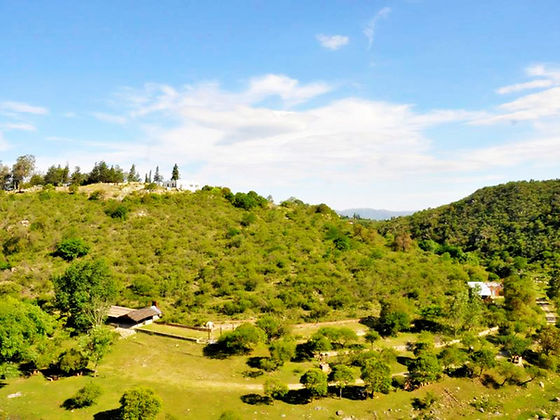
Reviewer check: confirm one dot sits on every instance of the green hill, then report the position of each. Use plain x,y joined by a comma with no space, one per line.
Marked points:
504,225
201,257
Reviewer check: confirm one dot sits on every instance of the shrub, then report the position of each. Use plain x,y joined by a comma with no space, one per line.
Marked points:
85,397
117,212
274,388
96,195
72,361
71,248
139,404
242,339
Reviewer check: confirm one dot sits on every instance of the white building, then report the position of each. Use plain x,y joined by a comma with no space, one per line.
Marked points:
181,184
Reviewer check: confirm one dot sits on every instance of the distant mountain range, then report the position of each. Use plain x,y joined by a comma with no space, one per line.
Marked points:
373,214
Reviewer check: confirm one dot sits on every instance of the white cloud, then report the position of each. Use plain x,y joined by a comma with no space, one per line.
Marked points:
332,42
22,108
113,119
369,30
541,83
17,126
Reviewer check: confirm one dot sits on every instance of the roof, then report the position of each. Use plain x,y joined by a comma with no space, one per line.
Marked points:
144,313
118,311
484,290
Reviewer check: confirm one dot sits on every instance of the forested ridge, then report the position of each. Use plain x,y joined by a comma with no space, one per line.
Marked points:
215,254
513,223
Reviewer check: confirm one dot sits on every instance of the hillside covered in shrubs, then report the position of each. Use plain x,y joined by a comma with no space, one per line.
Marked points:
213,254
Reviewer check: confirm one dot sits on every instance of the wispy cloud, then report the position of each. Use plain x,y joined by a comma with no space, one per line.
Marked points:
530,107
17,126
332,42
22,108
369,30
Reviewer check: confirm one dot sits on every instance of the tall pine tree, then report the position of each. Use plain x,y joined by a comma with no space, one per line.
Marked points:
175,173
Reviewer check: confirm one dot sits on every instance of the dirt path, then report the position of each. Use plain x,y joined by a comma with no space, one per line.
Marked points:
548,309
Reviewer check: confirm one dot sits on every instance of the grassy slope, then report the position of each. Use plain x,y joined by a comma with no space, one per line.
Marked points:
192,253
193,386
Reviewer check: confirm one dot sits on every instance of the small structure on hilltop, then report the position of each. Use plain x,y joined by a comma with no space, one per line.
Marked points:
132,318
487,290
181,184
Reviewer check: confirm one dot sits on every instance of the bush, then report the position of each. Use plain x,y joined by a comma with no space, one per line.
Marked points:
117,212
85,397
274,388
71,248
241,340
72,361
96,195
139,404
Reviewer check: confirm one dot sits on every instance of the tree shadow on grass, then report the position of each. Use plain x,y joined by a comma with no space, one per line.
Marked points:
489,382
296,397
351,392
256,399
2,384
113,414
215,351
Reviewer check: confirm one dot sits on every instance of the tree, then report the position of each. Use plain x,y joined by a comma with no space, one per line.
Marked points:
139,404
485,358
274,388
463,311
97,344
272,326
371,337
77,178
175,173
85,292
549,340
241,340
5,176
425,369
316,382
23,168
23,326
157,177
132,175
343,376
394,317
511,373
72,361
72,248
283,350
452,357
376,376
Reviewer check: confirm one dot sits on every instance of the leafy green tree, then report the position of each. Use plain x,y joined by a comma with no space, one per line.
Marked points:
22,169
515,345
72,248
371,337
549,340
72,361
273,327
511,374
485,358
316,382
393,318
283,350
343,376
242,340
5,176
139,404
23,326
424,369
376,376
85,293
452,357
175,173
97,343
274,388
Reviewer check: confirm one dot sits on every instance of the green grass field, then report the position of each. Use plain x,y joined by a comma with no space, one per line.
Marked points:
194,386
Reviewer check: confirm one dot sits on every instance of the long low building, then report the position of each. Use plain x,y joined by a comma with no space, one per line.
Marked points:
131,318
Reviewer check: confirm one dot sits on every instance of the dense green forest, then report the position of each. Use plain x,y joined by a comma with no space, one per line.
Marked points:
506,226
214,254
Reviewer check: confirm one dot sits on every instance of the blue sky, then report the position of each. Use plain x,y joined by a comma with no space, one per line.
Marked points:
384,104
